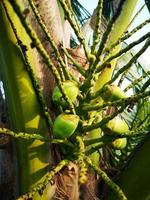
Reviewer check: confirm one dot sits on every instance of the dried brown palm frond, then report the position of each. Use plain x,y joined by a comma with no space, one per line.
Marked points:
67,183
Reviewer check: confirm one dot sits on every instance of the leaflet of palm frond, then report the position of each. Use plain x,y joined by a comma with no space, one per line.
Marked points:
148,4
109,8
137,69
81,13
73,43
143,113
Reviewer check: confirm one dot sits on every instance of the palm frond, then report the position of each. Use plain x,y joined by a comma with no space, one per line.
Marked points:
147,2
109,8
81,13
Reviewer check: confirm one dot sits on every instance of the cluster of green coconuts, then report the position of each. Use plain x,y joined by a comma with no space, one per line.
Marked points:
65,124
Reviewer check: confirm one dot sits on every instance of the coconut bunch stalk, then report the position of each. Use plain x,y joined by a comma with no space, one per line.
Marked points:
107,73
81,131
119,27
59,30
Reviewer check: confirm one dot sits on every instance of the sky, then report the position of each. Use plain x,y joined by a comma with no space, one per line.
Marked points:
90,5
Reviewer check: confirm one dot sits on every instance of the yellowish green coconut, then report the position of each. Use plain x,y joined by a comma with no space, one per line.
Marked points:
65,125
116,126
112,93
71,89
119,143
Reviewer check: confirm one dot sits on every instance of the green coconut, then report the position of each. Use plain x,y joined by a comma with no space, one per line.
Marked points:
112,93
116,126
119,143
70,88
65,125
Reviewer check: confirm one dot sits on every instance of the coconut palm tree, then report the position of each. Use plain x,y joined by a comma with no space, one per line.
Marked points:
76,132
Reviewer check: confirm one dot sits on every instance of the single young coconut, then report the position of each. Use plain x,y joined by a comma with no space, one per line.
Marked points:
119,143
116,126
65,125
112,93
71,89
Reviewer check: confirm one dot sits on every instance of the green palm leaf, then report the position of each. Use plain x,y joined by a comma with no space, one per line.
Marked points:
148,4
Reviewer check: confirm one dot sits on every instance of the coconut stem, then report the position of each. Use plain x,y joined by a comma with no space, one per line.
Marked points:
128,35
29,136
96,34
133,59
47,178
49,38
42,51
106,34
81,162
103,121
124,68
124,101
103,139
95,148
123,76
145,86
75,27
108,59
107,180
137,132
103,43
136,82
136,15
76,64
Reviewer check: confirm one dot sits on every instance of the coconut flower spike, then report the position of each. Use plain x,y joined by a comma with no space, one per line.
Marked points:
47,178
107,180
81,162
42,51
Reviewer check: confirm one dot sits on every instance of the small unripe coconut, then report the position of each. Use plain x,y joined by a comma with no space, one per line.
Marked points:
71,89
112,93
116,126
92,58
65,125
119,143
